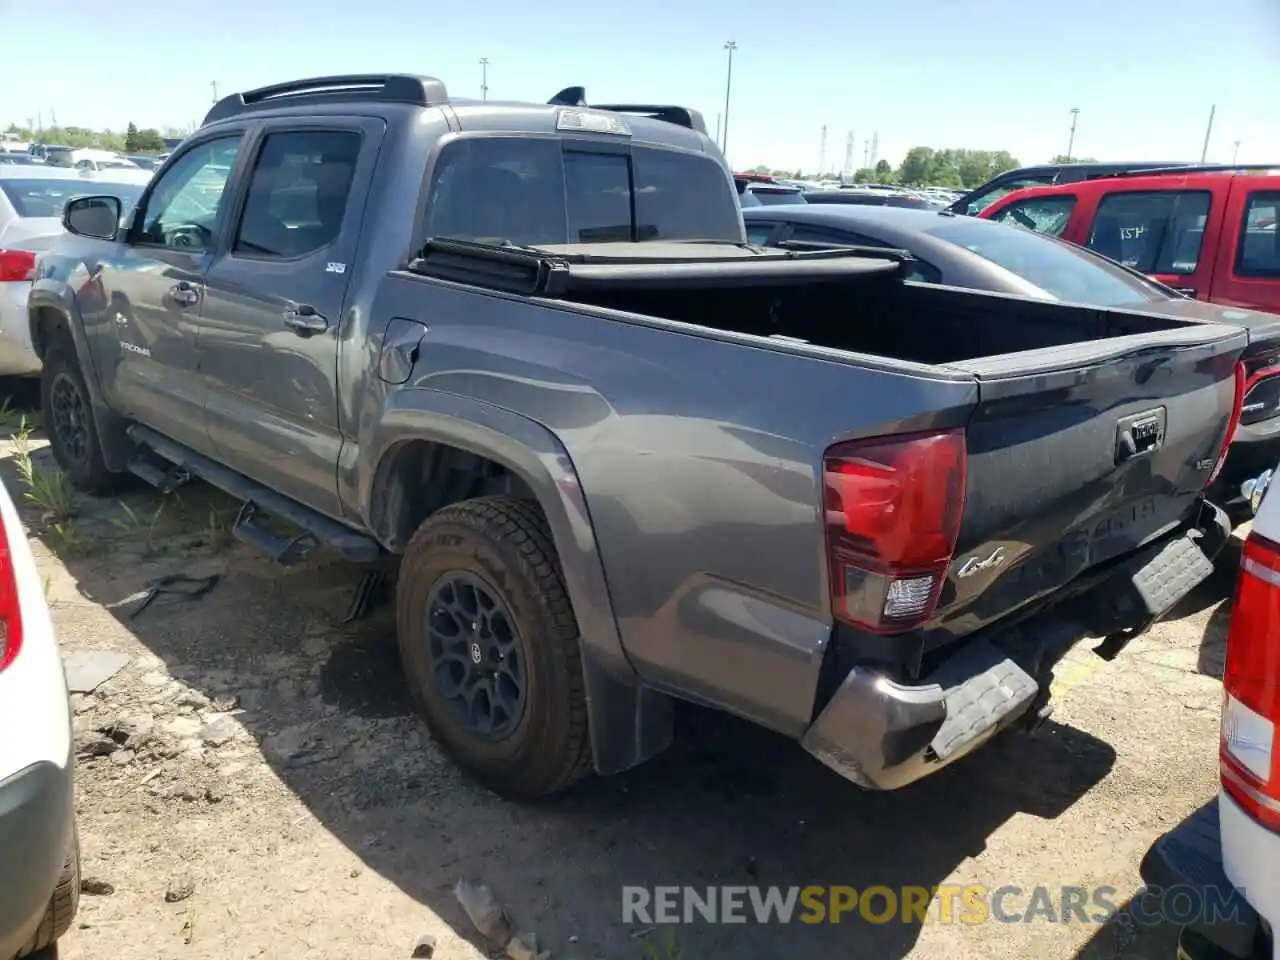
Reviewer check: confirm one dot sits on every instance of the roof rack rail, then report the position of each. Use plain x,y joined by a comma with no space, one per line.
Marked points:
1188,168
351,88
671,113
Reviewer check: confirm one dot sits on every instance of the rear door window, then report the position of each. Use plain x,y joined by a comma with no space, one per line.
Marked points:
1153,231
535,191
1047,215
1259,252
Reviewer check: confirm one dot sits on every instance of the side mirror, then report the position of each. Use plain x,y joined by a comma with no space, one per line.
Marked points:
96,217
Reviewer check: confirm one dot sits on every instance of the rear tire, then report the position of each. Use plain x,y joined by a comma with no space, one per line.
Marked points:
62,905
70,424
501,690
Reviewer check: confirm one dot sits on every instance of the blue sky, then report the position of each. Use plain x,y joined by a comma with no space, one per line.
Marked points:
960,73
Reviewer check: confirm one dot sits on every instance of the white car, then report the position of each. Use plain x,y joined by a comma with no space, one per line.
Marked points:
31,202
39,856
1218,872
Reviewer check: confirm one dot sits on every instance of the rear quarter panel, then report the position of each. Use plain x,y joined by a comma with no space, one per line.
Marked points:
699,456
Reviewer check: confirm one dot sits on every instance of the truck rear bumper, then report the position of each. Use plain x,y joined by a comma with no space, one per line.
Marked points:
882,734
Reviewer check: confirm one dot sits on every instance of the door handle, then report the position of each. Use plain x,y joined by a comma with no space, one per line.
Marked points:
304,321
184,294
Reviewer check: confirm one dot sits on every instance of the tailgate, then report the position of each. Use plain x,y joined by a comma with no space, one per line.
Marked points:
1079,455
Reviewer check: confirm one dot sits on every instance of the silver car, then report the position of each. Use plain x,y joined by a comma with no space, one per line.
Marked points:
31,202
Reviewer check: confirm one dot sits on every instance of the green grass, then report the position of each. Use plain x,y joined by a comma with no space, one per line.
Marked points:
46,488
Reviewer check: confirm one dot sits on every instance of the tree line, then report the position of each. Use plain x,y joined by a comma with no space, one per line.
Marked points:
927,167
133,140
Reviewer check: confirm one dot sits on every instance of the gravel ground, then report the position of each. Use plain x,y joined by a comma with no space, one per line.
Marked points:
254,784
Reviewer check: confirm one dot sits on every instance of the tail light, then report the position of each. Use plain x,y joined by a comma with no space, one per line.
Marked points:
10,609
17,265
1251,685
893,507
1261,390
1237,405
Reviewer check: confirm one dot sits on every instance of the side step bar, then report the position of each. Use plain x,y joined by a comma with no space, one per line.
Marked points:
316,527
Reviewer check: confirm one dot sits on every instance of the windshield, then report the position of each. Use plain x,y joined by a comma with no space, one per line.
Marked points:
980,201
1055,269
535,191
47,196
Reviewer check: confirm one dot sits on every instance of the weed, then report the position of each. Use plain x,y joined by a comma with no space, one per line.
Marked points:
64,537
12,417
135,524
46,487
216,531
669,951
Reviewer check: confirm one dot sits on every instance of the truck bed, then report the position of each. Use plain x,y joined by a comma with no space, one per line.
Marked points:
699,397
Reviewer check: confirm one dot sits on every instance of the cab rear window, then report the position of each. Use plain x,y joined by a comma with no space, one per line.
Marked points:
539,191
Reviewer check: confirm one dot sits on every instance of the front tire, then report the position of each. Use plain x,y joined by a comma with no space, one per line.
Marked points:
70,424
490,646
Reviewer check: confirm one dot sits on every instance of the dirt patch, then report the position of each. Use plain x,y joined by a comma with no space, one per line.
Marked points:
254,783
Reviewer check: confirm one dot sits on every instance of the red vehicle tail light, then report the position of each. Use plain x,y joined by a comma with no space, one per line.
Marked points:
17,265
1261,391
1237,406
10,608
1251,685
893,507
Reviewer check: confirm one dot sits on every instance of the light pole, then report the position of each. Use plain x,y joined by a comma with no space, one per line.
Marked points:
1071,143
1208,132
1235,152
484,78
728,89
214,85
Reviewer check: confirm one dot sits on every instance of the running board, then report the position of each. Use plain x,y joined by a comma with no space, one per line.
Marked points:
316,527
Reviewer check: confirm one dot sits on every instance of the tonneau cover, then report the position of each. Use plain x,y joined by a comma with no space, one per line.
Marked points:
554,270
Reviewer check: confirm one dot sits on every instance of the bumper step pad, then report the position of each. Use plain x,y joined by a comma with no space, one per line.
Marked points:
982,704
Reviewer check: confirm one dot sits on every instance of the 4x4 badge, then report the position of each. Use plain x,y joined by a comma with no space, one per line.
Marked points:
977,565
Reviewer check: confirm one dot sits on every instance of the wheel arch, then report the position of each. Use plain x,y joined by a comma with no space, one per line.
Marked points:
431,449
52,315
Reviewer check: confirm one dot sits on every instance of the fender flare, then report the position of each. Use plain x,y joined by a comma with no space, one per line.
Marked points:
46,294
628,721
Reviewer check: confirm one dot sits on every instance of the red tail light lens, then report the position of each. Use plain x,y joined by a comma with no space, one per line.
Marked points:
17,265
1237,406
10,609
1251,685
1261,391
893,507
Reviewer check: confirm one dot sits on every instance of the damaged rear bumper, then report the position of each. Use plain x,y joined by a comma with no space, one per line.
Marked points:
882,734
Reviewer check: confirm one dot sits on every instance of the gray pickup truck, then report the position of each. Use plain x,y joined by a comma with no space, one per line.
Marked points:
620,456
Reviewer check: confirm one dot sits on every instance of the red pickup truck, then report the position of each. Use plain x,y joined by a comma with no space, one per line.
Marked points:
1210,234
